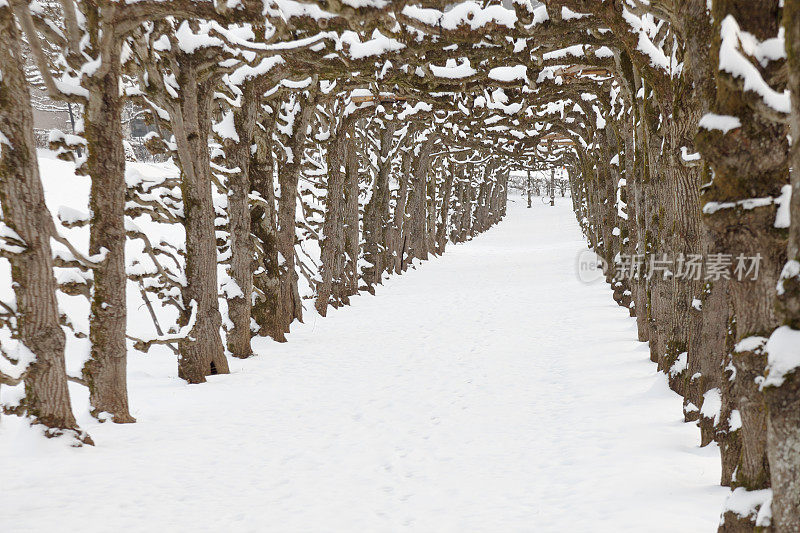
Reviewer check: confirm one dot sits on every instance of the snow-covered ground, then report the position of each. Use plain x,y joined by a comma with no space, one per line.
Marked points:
489,390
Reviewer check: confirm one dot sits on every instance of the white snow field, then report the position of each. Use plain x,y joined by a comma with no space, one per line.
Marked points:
489,390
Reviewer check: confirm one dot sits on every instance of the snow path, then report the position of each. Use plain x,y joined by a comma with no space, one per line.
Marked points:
489,390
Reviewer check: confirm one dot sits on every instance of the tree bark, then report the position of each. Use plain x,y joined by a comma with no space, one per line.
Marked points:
201,352
106,370
264,224
376,213
330,290
238,155
748,162
444,209
783,396
399,221
431,198
417,205
290,307
351,230
47,400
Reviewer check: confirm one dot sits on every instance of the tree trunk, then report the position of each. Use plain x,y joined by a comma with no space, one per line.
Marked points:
783,392
106,370
238,155
749,162
201,352
417,204
351,230
528,188
330,289
399,221
685,241
264,224
468,206
430,209
461,206
290,307
376,213
444,209
46,399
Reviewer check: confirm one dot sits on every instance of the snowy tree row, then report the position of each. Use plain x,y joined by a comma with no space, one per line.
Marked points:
329,143
688,159
294,164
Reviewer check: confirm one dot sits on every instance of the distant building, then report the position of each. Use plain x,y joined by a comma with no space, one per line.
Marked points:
49,114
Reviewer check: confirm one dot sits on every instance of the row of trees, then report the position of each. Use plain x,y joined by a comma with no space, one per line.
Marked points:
282,139
693,162
378,129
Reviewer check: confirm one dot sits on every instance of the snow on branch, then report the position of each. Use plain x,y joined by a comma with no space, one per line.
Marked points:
144,344
14,365
734,62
